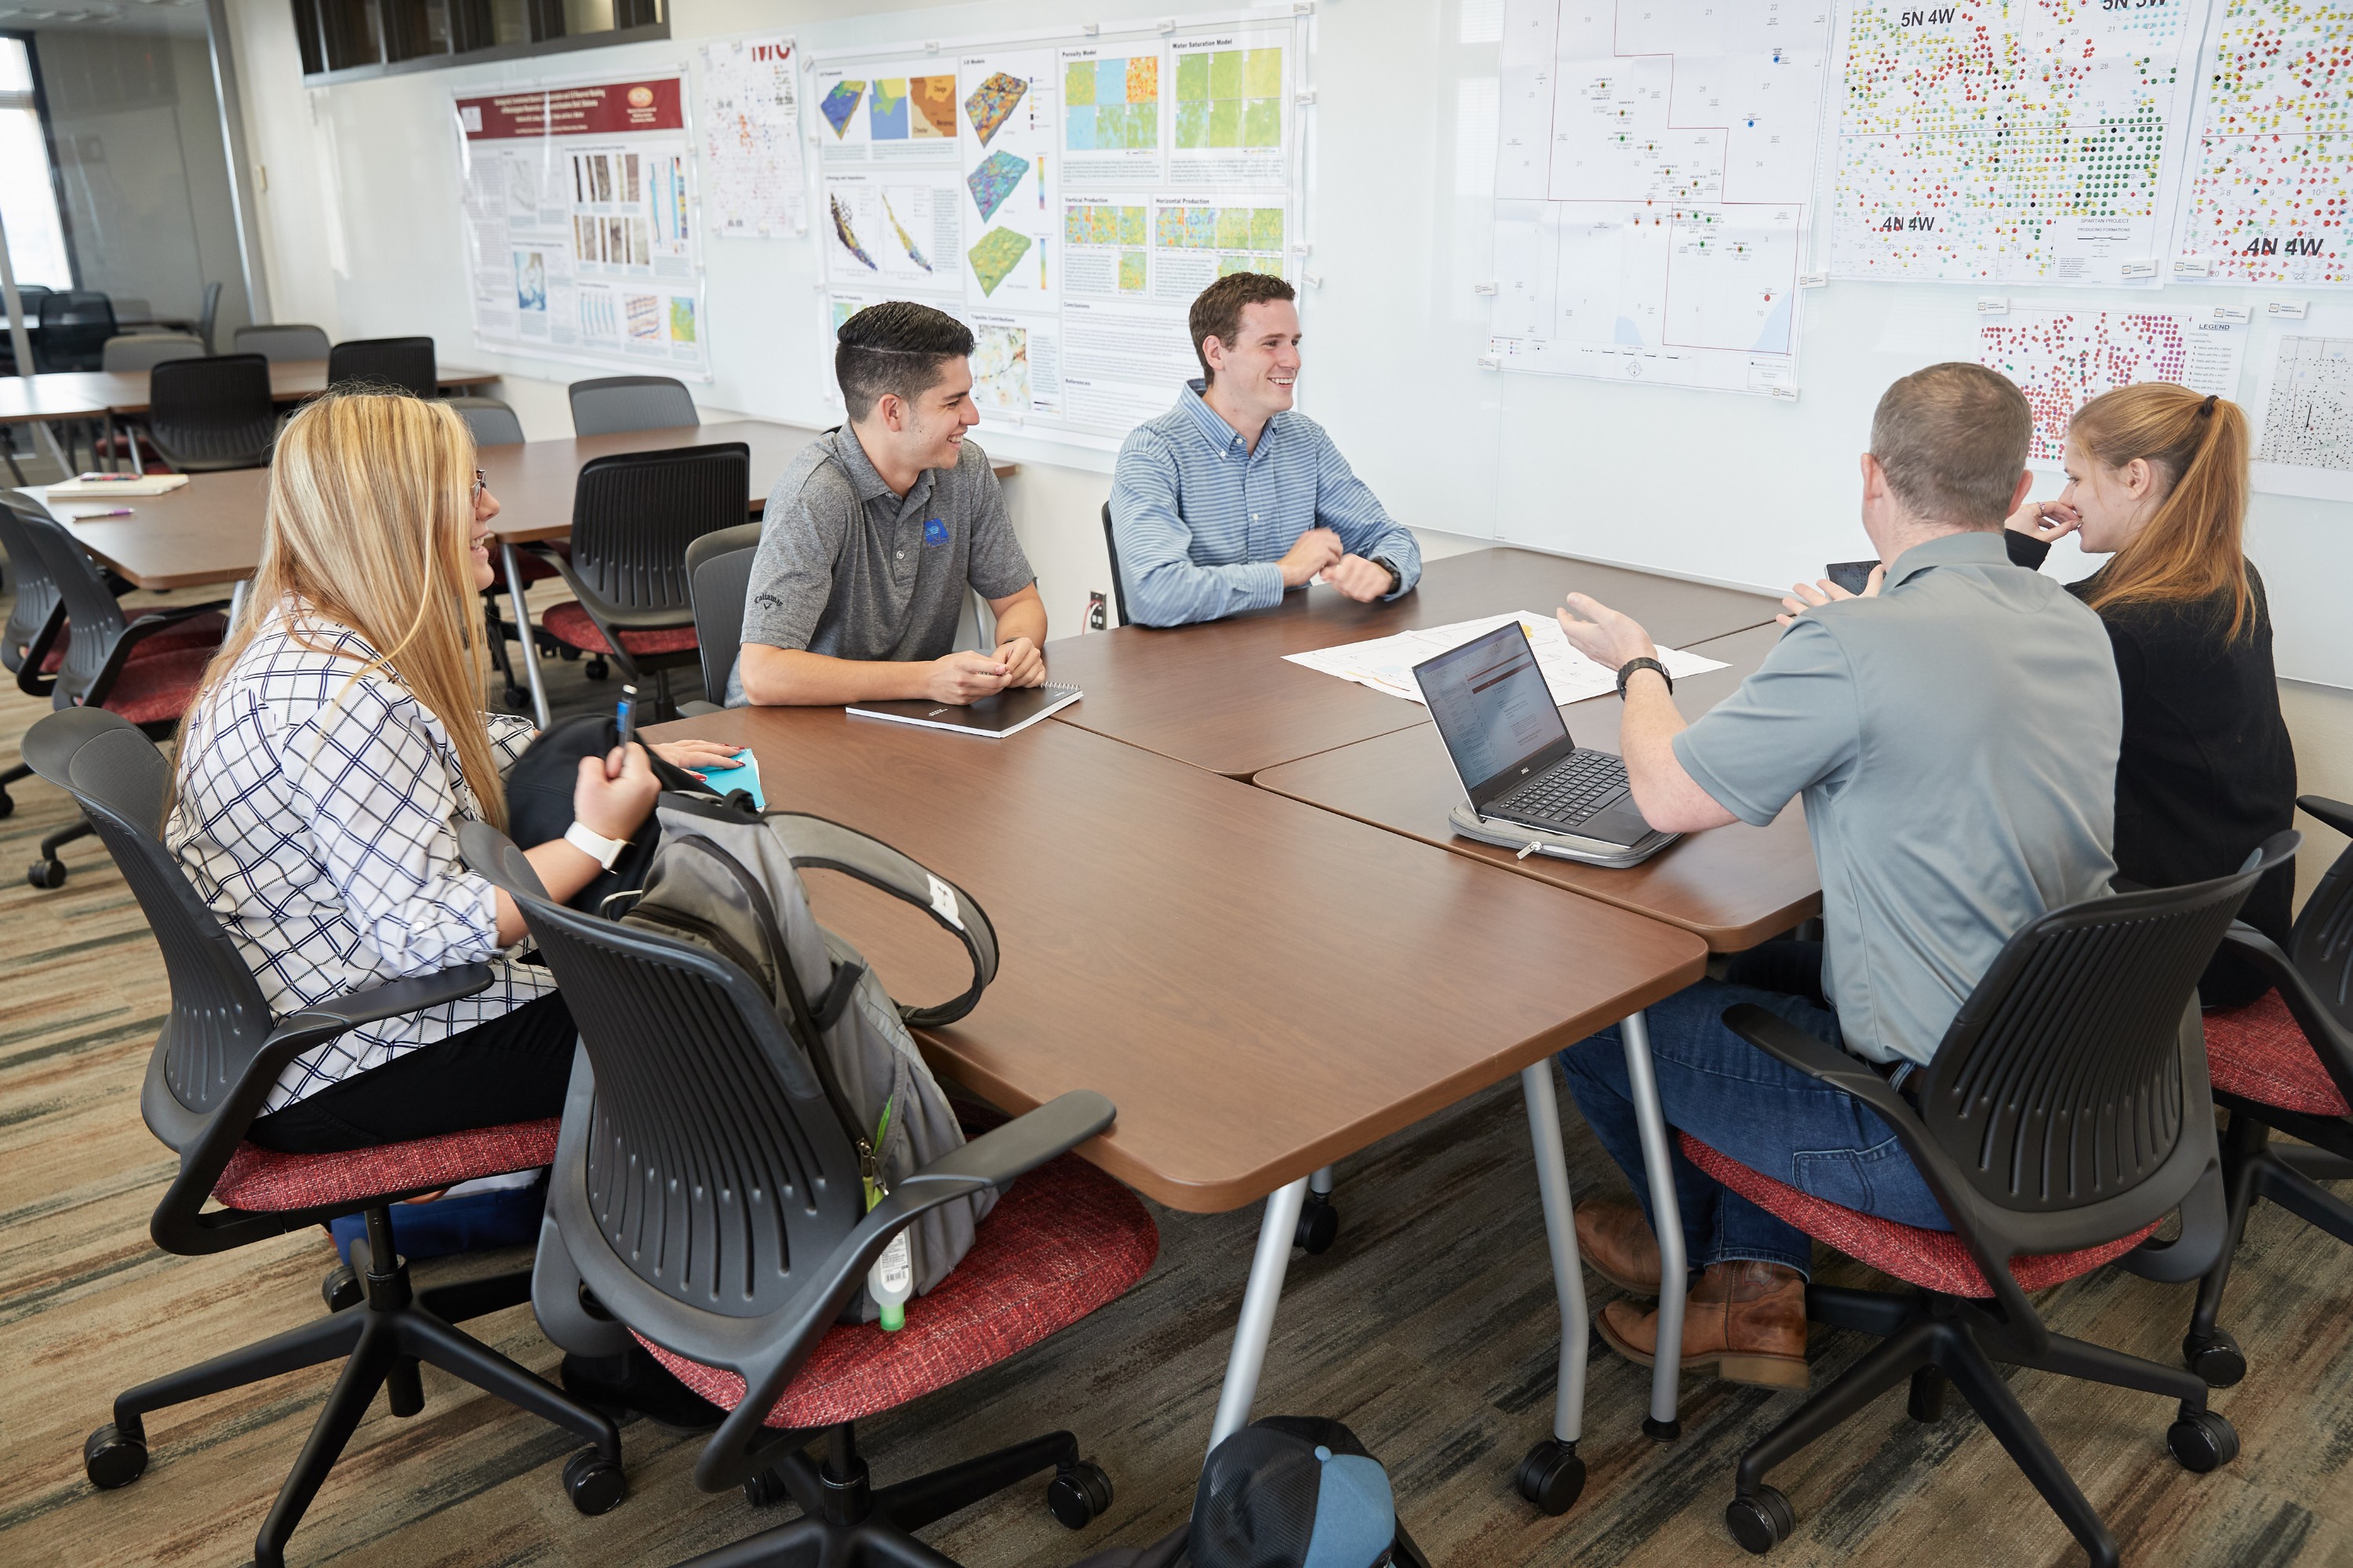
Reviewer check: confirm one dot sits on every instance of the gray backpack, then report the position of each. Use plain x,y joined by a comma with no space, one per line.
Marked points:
728,881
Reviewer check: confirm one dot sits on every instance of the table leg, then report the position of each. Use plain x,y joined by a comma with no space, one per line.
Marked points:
45,441
1560,1235
1272,1258
529,654
1662,1422
236,600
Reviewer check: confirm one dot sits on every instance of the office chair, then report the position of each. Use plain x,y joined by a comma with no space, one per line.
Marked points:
633,515
2285,1063
214,1065
405,363
747,1318
2063,1116
1118,583
89,654
205,415
493,423
718,580
75,325
280,344
144,351
614,405
210,316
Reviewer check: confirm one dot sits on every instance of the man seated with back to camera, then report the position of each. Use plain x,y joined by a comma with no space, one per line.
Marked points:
878,527
1233,498
1955,739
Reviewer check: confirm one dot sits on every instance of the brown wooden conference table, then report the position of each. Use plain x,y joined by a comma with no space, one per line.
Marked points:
1198,951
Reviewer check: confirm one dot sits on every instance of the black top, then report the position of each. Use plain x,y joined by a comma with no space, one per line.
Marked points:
2207,771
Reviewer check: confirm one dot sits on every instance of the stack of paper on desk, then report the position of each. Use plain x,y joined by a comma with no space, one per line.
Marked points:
86,486
1385,663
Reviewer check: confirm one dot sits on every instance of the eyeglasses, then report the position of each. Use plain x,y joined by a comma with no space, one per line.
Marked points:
482,482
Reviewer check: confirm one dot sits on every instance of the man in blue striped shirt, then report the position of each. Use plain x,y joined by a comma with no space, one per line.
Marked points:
1232,498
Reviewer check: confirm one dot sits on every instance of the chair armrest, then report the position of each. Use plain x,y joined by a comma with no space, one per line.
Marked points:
412,994
697,708
29,679
133,634
2336,813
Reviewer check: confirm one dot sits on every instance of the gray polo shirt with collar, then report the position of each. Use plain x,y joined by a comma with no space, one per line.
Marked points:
848,569
1955,740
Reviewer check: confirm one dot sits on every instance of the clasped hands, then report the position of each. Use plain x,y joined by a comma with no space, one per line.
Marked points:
1320,550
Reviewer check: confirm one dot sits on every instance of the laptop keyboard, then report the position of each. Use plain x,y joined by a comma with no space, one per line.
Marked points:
1570,790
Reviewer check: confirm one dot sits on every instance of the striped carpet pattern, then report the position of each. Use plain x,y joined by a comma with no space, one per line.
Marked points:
1429,1327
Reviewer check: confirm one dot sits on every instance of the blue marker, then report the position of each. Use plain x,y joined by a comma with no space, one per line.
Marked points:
626,712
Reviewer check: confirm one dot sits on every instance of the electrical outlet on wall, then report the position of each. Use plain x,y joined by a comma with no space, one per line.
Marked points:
1096,612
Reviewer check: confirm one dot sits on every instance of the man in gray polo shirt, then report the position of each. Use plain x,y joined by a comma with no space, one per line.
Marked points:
1952,733
875,531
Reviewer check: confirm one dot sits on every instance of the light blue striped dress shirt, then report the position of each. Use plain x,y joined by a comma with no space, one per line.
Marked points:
1201,523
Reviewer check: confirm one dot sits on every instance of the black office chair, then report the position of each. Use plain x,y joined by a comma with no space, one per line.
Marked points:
280,342
214,1065
718,579
405,363
614,405
633,515
2064,1117
493,423
1111,549
144,668
2285,1063
75,325
205,415
770,1191
209,315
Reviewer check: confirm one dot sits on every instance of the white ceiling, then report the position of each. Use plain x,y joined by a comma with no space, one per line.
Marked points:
180,18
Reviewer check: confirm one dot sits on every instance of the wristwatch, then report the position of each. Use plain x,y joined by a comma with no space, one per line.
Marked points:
593,845
1630,665
1397,578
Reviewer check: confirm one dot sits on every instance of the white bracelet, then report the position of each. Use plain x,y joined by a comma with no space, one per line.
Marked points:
593,845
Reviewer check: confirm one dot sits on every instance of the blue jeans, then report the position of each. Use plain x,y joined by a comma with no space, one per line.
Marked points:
1744,1104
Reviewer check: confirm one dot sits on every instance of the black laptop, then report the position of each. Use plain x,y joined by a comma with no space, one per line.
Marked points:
1512,752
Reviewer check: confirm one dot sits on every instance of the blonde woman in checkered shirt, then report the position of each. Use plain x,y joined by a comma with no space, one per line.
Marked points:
335,743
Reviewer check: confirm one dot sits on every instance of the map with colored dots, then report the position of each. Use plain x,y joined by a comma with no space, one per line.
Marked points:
2271,161
1980,141
2308,419
2062,359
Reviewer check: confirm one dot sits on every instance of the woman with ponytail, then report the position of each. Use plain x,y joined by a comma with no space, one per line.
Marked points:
336,741
2157,480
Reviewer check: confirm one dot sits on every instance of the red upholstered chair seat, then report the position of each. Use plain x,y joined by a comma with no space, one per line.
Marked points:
569,624
2258,1053
1063,1240
204,631
262,1181
155,689
1934,1260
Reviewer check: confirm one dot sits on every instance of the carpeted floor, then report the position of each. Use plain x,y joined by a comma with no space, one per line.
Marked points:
1429,1327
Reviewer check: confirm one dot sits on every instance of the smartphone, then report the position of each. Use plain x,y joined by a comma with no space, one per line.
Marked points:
1852,575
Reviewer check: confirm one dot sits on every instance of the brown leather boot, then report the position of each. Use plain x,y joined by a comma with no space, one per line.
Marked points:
1616,1243
1746,1319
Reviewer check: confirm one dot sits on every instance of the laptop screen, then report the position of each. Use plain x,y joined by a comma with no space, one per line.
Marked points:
1492,709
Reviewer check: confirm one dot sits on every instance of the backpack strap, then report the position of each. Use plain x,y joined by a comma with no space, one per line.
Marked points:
814,843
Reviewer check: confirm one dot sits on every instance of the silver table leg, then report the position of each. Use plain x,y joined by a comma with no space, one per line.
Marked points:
1257,1326
237,595
1560,1235
529,654
1674,1270
1320,1182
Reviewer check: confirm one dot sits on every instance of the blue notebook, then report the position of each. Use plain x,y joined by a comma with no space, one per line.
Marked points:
743,776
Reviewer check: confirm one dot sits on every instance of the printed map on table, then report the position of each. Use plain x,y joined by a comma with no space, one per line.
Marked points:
1385,663
2063,359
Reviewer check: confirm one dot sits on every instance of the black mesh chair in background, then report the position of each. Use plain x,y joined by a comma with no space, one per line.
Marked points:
282,342
406,363
212,1069
205,415
75,325
718,579
209,315
2065,1116
493,423
614,405
633,515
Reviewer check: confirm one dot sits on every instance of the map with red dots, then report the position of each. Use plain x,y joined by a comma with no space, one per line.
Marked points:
2062,359
2008,141
2271,164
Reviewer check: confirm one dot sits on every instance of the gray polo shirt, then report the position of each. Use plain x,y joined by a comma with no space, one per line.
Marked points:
1955,739
848,569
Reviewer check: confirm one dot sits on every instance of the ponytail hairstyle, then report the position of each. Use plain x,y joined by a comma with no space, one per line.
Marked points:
2190,547
371,509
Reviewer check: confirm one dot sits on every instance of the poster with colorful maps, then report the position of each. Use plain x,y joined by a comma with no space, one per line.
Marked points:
2304,433
1230,112
885,112
1105,241
2271,152
994,180
1196,240
1011,153
1110,102
1986,141
2063,358
755,183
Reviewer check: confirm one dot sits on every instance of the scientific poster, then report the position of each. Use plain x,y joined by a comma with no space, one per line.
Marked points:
2061,358
583,238
752,138
2304,409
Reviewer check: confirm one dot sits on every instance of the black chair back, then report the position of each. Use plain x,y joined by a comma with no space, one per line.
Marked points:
1118,583
219,1020
281,341
36,595
212,413
75,325
492,422
96,616
210,314
2321,945
633,515
719,578
405,363
614,405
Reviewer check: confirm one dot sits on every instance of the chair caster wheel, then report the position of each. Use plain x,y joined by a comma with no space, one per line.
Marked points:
595,669
565,650
2217,1360
112,1457
1079,1494
595,1483
1760,1520
7,803
1551,1476
2202,1441
765,1489
1319,1225
517,698
47,874
341,1288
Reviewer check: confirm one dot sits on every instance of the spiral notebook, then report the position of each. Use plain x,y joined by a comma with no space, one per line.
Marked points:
994,716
